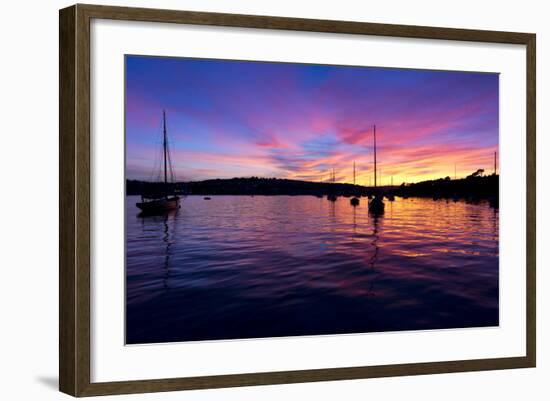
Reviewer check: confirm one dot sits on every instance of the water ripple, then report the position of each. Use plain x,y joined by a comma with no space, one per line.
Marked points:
241,267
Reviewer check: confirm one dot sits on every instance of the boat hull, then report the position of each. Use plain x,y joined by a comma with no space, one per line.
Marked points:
159,205
376,206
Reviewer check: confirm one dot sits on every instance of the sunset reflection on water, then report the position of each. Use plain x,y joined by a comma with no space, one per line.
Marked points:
267,266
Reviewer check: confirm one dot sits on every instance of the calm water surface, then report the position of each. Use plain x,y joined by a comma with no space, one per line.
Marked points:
267,266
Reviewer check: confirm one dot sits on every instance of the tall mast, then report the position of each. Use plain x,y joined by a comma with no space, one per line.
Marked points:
495,170
164,146
375,156
354,172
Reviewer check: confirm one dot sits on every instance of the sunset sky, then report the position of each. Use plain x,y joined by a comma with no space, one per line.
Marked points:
240,119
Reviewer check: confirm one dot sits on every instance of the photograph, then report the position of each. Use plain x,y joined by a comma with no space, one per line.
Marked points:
271,199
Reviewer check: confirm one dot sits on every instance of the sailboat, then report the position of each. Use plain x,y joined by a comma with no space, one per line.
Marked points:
332,196
376,205
161,199
355,200
391,196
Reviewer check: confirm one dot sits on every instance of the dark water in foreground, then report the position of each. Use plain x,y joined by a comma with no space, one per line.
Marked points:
244,267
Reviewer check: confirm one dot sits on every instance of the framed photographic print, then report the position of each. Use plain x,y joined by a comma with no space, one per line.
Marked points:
250,200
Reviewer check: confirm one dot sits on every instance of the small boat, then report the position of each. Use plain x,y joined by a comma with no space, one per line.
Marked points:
332,197
354,201
390,197
376,206
158,204
162,199
207,198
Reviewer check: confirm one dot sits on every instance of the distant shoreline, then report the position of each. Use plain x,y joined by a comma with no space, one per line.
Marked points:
472,187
